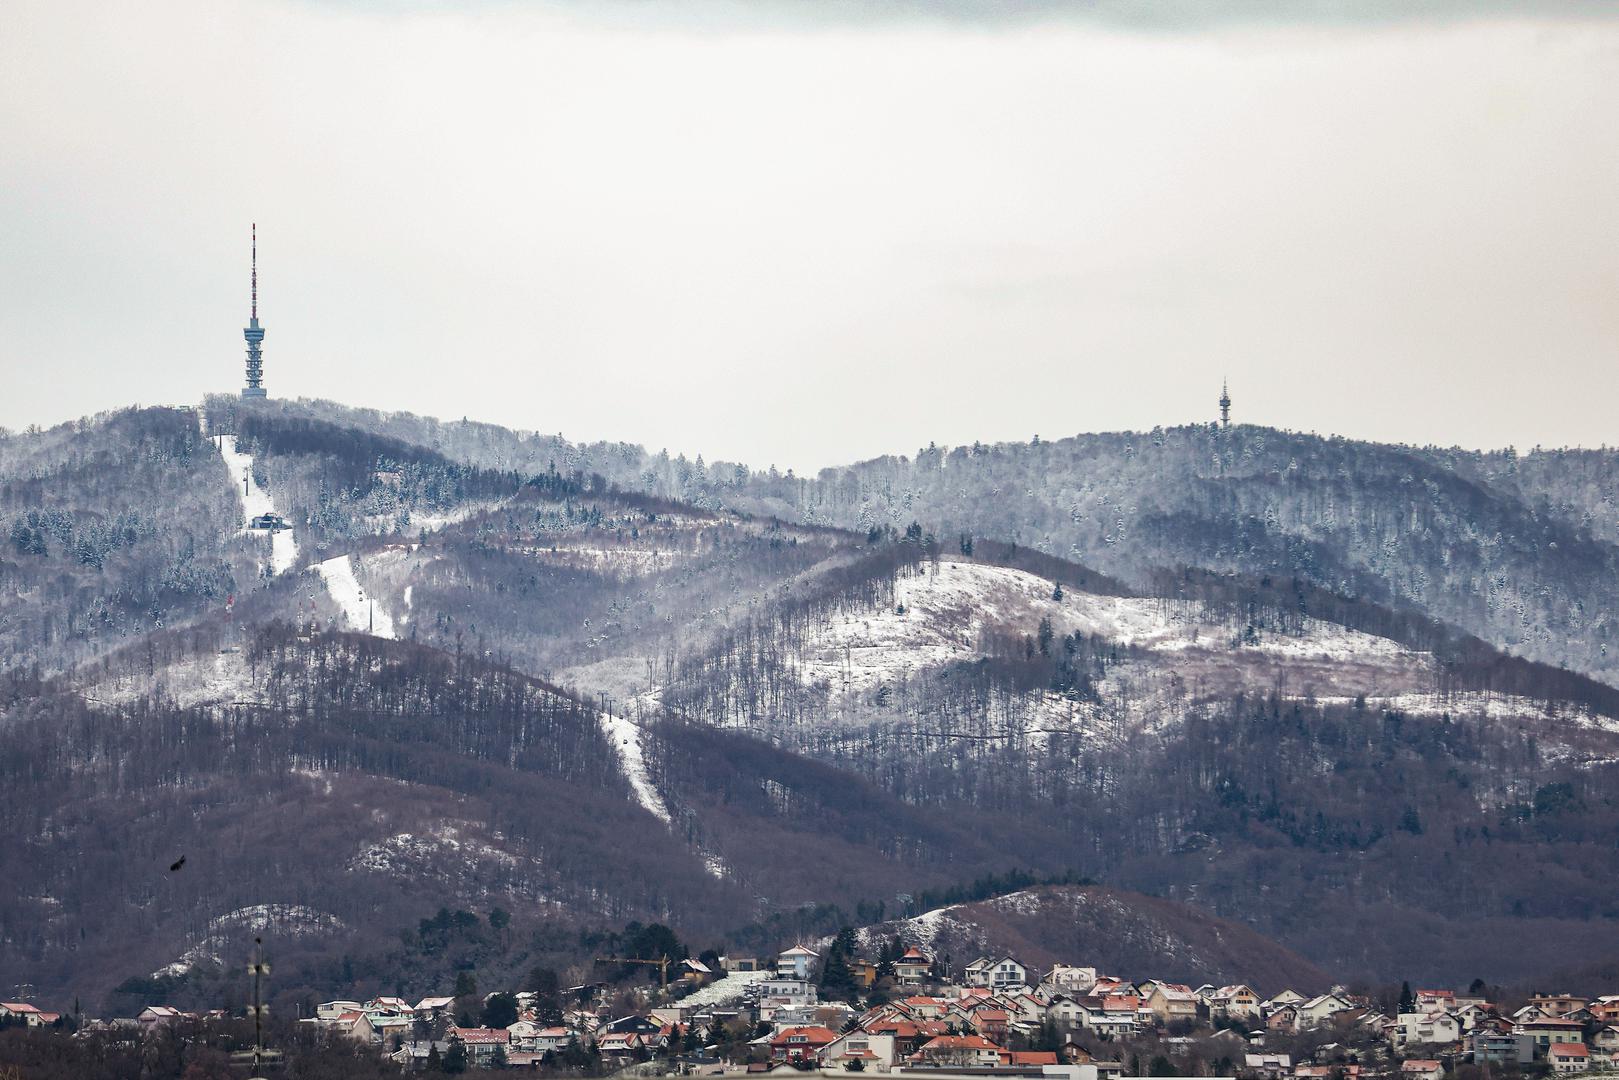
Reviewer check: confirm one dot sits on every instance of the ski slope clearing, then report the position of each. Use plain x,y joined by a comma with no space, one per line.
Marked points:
626,740
256,501
360,612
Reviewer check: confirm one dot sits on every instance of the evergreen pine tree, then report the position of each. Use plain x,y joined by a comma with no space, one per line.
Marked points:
455,1060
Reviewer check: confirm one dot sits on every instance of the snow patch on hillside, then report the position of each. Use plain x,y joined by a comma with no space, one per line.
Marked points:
288,920
941,613
1019,903
424,522
256,501
732,988
448,852
626,740
629,560
360,612
205,679
924,929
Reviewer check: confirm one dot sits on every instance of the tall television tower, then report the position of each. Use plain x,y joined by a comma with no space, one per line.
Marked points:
1225,401
254,333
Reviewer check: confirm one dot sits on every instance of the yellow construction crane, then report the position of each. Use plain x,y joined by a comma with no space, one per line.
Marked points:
661,963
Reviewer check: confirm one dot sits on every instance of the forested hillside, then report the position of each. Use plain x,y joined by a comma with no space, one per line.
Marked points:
1247,671
114,526
1518,550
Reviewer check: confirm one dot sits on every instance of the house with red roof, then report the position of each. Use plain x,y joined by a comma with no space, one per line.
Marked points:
480,1043
1028,1058
1543,1031
1569,1057
1421,1069
800,1042
912,969
961,1051
20,1010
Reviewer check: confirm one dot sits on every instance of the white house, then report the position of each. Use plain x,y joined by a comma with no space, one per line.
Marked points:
876,1053
1237,1002
1421,1070
331,1010
1064,979
1277,1001
1568,1057
1425,1029
1318,1010
996,973
796,962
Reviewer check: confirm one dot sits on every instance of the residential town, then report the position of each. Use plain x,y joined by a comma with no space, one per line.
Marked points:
903,1010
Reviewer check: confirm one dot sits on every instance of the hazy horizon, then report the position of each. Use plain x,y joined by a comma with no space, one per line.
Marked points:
805,237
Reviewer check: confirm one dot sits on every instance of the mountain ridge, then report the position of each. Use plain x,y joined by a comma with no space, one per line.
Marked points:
755,697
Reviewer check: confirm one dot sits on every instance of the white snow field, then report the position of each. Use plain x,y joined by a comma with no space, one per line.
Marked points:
256,501
360,612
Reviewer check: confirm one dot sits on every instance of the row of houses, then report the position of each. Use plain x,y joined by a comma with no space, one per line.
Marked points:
988,1020
1565,1032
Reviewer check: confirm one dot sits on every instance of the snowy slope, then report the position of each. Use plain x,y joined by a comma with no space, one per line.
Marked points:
941,612
256,501
360,612
626,739
725,991
205,679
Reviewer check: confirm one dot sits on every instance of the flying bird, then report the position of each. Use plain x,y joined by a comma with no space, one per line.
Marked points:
175,866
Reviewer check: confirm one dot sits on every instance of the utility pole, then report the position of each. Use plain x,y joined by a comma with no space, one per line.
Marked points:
258,969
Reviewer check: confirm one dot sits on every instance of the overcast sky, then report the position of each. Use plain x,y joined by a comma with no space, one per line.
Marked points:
808,234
